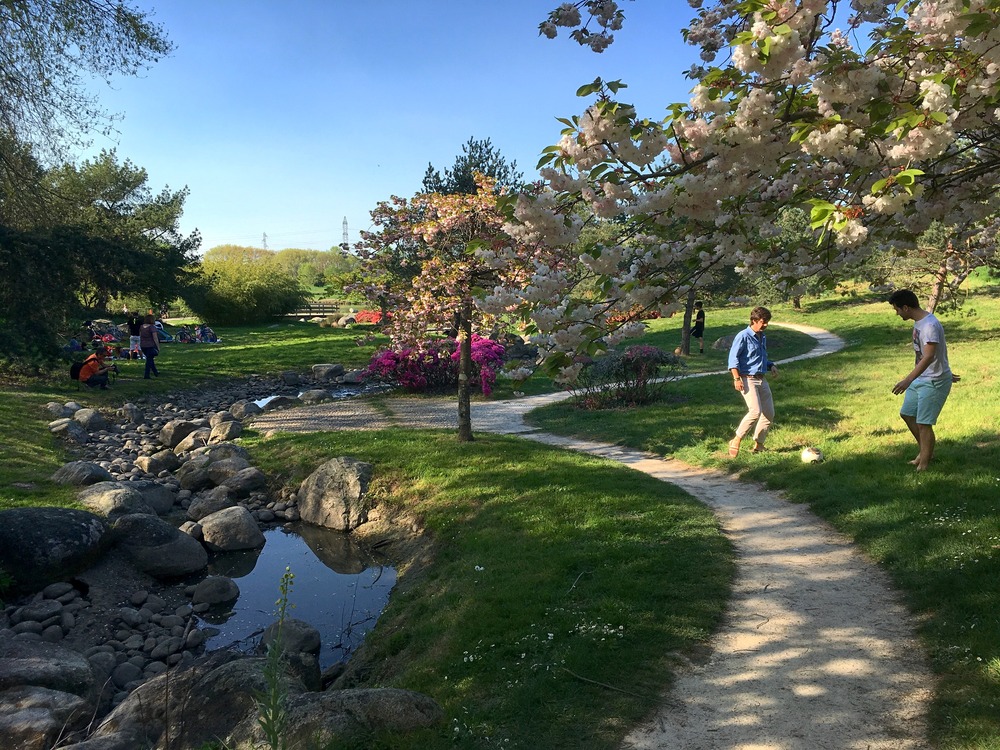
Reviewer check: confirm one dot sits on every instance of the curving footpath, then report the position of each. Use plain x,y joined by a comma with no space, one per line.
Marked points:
815,651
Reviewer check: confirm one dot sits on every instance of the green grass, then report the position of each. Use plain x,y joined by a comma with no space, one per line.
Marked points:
937,533
553,572
30,453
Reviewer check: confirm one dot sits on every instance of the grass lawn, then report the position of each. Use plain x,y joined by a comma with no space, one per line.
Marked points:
937,533
554,572
30,454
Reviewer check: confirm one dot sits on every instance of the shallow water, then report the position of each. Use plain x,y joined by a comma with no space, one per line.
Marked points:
338,588
336,392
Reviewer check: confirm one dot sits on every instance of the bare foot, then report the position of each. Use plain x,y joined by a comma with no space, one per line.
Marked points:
920,467
915,461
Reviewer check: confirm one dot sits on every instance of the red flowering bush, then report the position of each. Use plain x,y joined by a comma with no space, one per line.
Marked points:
637,312
368,316
434,365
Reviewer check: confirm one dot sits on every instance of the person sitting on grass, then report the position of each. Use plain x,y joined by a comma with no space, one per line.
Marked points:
94,372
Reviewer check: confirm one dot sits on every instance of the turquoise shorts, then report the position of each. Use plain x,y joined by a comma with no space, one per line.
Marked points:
924,399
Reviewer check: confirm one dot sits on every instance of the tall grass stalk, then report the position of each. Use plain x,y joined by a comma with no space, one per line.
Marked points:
271,704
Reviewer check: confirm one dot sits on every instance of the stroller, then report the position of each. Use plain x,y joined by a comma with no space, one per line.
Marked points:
161,332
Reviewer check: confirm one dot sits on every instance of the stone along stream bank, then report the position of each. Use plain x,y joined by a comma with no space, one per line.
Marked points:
105,648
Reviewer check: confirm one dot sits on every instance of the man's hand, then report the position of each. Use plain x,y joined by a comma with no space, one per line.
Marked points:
901,386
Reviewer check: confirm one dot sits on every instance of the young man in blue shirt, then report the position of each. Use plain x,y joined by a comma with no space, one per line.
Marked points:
749,366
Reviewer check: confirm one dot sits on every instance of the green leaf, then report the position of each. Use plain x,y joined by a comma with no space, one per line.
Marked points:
546,159
614,86
590,88
879,186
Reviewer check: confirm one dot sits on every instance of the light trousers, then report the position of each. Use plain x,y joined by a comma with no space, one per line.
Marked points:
760,409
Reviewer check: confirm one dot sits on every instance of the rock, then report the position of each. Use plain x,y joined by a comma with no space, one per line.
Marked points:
244,409
45,665
290,377
212,695
194,439
58,410
39,546
158,548
114,499
335,495
354,377
216,590
35,718
315,396
91,420
336,717
67,429
165,460
220,452
282,402
81,473
132,414
296,636
174,431
225,431
220,471
211,502
159,497
193,474
327,371
220,417
246,481
231,529
723,344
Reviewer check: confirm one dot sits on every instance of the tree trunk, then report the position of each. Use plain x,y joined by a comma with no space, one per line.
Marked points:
937,288
797,302
686,328
464,373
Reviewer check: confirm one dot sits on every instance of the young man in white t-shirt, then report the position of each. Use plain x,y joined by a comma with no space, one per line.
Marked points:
928,384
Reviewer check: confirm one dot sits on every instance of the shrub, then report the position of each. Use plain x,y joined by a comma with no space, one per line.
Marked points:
433,366
628,377
240,292
369,317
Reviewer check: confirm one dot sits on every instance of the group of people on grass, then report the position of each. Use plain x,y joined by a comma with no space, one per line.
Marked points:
925,388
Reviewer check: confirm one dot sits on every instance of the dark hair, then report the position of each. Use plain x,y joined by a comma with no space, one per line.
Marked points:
760,313
698,304
148,319
904,298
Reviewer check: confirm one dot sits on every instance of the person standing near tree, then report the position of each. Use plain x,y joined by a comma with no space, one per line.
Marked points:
749,366
698,332
928,384
149,341
134,323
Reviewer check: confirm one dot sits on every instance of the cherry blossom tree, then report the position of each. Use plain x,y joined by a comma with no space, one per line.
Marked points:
874,137
426,262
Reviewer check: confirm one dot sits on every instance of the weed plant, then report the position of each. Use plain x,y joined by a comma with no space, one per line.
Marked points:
936,532
272,713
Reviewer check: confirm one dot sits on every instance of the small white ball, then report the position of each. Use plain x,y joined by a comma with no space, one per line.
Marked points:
811,455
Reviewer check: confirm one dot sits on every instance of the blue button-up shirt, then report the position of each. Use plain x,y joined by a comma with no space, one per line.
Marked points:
748,354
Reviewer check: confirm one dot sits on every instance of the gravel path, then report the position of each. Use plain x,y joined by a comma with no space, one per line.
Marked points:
815,651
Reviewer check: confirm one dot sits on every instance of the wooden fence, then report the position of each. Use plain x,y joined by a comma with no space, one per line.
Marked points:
326,307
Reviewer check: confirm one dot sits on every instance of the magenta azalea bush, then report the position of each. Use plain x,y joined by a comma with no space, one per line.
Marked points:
434,365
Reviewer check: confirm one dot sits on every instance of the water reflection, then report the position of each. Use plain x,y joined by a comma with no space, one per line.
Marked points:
339,589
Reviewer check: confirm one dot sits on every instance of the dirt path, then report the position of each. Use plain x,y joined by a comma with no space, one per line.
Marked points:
815,651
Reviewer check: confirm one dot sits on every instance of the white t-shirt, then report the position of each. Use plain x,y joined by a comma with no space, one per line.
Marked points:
929,330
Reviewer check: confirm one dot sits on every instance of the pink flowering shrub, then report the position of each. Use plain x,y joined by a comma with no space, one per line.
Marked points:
368,316
434,365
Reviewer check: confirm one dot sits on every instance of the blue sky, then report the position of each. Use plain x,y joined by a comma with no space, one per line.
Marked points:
286,117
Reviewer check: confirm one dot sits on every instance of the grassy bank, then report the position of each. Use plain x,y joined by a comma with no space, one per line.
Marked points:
30,454
937,533
561,588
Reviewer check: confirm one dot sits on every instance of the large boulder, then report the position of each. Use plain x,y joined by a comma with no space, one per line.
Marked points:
246,481
35,718
212,696
341,718
244,409
231,529
220,471
225,431
46,665
176,430
91,420
212,501
159,497
327,371
114,500
158,548
195,439
193,474
70,430
336,494
41,545
165,460
282,402
220,452
81,474
215,590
